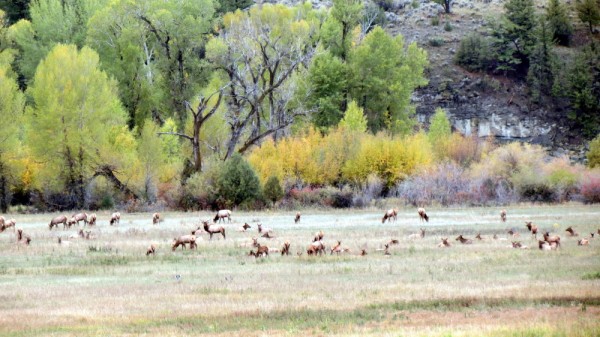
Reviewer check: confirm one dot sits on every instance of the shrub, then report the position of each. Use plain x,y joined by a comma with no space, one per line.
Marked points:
590,188
465,150
273,190
474,53
436,42
237,182
200,190
448,27
435,21
533,187
593,155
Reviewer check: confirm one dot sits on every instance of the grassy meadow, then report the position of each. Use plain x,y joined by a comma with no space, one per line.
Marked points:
106,286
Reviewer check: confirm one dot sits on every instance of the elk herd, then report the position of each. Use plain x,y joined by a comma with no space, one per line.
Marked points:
314,248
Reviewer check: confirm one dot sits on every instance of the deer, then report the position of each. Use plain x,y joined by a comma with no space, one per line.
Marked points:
57,220
92,219
115,218
244,227
285,249
23,238
155,218
417,236
151,250
318,236
513,233
183,240
583,242
552,239
444,243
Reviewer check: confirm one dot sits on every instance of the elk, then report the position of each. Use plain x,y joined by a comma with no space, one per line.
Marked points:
222,214
244,227
389,215
318,236
183,240
592,235
89,236
513,233
262,230
151,250
63,242
155,218
260,251
213,229
583,242
503,215
268,235
479,237
315,248
76,218
363,252
393,242
297,218
115,218
23,238
444,243
92,220
532,228
552,239
386,251
7,224
285,250
417,236
517,244
571,231
463,240
337,248
545,245
422,214
59,219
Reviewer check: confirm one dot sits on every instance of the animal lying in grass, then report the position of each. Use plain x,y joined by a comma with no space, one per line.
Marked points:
420,235
244,228
22,237
464,240
571,231
444,243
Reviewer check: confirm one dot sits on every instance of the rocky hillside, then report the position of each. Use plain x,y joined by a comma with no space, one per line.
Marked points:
477,104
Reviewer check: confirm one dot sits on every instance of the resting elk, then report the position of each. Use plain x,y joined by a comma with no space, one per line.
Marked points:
583,242
222,214
422,214
444,243
389,215
23,238
571,231
264,230
417,236
463,240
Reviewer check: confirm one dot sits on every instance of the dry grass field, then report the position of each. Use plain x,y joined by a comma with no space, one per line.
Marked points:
106,286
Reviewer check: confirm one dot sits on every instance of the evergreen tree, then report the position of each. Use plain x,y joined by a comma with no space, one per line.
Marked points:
238,182
583,89
560,25
588,12
540,76
354,119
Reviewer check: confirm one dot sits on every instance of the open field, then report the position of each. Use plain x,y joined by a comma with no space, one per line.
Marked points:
107,286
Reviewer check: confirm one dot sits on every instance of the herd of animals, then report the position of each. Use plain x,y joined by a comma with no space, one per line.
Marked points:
316,247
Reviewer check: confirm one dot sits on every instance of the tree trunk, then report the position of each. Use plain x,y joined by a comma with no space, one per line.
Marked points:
3,189
107,172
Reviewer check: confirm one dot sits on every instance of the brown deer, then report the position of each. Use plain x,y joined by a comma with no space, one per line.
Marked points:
583,242
76,218
115,218
463,240
23,238
7,224
422,214
417,236
183,240
285,249
571,231
532,228
262,230
513,233
318,236
316,248
479,237
389,215
244,227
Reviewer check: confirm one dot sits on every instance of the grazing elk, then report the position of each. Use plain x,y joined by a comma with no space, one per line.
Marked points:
318,236
422,214
571,231
463,240
503,215
532,228
389,215
115,218
155,218
92,219
151,250
59,219
297,218
23,238
315,248
183,240
213,229
285,249
260,251
7,224
444,243
76,218
222,214
552,239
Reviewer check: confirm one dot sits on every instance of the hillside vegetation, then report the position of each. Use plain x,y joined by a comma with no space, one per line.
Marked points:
199,103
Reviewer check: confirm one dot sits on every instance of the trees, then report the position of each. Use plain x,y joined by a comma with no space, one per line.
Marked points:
385,74
75,124
354,119
593,155
273,190
346,14
446,4
588,12
540,76
15,9
260,53
238,183
439,132
559,22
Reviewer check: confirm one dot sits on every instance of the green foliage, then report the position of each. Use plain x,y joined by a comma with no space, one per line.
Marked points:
448,26
446,4
439,132
435,21
593,155
347,14
273,190
233,5
238,182
559,22
473,53
354,119
436,41
70,130
15,9
583,89
328,82
385,75
588,11
540,76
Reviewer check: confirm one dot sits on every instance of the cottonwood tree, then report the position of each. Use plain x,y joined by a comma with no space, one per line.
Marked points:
259,53
76,124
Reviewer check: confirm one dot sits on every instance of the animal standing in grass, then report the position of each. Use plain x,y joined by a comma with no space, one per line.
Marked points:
115,218
297,218
422,214
155,218
76,218
92,219
22,237
151,250
222,214
61,219
6,224
183,240
503,215
532,228
390,214
552,239
214,229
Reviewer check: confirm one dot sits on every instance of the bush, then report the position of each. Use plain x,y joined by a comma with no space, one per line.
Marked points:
474,53
273,190
533,187
238,182
436,42
435,21
593,155
590,188
448,27
200,190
